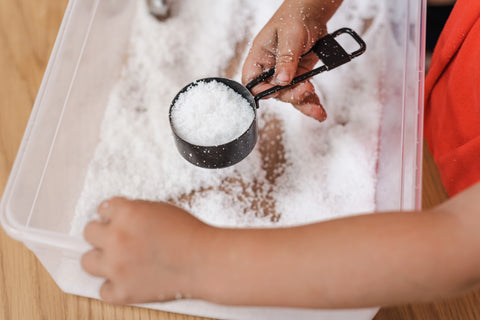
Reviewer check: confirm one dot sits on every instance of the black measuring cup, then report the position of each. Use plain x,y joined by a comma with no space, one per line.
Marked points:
327,49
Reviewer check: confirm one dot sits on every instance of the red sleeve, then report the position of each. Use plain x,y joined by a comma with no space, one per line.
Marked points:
452,99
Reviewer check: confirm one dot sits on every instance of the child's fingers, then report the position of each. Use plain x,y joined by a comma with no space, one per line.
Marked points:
261,56
107,292
291,44
296,93
263,87
105,210
252,68
94,233
114,294
311,107
303,98
92,262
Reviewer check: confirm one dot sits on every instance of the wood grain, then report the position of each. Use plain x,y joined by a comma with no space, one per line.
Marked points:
27,33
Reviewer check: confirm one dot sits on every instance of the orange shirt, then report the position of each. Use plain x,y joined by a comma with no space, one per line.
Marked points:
452,99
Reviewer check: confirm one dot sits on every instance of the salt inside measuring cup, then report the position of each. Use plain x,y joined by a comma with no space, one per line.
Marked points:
211,114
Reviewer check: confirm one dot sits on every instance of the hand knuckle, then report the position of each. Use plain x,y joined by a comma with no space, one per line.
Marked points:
125,216
118,270
287,58
115,239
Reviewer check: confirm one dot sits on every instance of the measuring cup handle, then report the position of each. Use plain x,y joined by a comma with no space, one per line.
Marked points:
262,77
327,49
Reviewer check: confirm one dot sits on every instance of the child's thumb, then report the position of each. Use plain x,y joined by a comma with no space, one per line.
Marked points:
288,55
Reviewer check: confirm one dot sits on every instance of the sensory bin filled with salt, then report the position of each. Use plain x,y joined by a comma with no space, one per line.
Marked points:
300,171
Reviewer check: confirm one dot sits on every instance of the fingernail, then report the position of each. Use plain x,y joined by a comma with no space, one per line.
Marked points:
323,116
282,78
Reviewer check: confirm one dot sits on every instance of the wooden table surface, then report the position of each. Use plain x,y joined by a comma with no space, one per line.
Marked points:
27,33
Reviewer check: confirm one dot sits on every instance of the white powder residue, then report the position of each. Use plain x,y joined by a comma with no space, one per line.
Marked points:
300,171
211,114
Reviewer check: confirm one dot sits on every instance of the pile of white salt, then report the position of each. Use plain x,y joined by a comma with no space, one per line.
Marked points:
301,171
210,114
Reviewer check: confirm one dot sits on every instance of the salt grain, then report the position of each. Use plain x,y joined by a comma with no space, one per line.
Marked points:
211,114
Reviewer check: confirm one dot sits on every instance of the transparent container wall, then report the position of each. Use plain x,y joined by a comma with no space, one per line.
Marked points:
401,132
64,128
91,49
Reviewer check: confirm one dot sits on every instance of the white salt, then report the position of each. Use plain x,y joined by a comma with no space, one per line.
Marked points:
211,114
301,170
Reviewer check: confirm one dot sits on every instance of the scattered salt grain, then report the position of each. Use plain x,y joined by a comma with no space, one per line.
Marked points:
211,114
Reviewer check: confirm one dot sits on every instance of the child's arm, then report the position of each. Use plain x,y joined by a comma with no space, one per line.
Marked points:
290,33
154,251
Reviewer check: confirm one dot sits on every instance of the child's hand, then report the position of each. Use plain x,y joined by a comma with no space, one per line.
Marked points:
291,32
146,251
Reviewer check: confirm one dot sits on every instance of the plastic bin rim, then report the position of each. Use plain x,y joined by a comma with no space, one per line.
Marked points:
13,228
34,235
42,237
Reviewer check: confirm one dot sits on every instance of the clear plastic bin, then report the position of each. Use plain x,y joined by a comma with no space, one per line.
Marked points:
39,200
